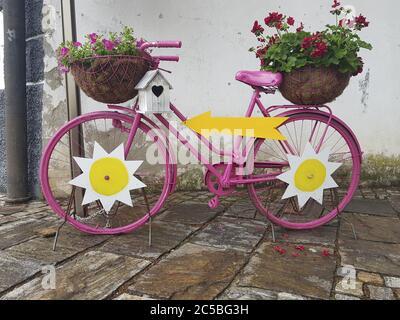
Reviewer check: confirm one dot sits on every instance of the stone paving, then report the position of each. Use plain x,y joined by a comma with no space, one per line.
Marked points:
198,253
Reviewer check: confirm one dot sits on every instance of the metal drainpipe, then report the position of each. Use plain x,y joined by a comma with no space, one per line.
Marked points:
15,93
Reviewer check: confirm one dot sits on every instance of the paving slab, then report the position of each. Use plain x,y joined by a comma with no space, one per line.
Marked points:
376,257
242,293
40,251
191,272
165,236
15,270
72,238
395,202
371,206
371,278
126,296
380,293
345,297
20,231
94,275
7,210
371,228
347,287
325,236
243,209
307,275
189,213
231,233
392,282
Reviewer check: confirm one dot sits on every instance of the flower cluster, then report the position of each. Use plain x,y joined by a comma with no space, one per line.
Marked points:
96,45
316,45
286,50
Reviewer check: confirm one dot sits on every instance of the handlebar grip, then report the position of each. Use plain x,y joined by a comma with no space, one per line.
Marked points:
161,44
167,58
169,44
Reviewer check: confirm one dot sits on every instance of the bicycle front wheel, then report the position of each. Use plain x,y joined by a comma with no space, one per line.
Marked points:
77,139
271,158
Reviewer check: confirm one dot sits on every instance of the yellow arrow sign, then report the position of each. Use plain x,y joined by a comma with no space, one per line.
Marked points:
258,127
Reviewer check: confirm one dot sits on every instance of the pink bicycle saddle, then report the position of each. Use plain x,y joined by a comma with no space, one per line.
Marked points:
259,78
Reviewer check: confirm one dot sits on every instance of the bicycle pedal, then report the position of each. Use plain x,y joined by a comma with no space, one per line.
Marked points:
214,203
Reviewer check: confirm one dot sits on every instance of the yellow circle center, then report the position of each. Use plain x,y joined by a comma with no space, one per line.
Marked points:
108,176
310,175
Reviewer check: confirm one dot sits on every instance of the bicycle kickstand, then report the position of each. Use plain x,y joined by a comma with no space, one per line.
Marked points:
57,234
273,232
353,230
148,209
70,200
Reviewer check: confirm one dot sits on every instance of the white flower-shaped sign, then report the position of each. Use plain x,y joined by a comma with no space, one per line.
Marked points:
309,175
107,177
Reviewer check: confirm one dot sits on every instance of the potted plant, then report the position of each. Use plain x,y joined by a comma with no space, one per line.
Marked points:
316,67
107,69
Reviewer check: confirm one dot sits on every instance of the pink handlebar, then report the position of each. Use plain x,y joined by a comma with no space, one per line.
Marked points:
167,58
161,44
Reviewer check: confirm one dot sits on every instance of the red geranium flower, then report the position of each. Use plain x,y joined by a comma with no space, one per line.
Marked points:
335,4
257,28
300,28
361,22
261,51
300,248
273,18
318,45
320,50
290,21
273,39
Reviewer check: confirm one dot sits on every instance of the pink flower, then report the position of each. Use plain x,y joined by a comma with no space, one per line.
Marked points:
93,38
77,44
63,69
109,45
300,248
64,51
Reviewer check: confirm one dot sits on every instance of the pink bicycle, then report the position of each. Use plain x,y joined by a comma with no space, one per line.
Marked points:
306,125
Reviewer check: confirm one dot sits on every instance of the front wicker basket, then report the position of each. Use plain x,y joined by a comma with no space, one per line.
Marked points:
110,79
313,85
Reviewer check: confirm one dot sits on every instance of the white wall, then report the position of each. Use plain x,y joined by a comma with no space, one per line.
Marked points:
216,37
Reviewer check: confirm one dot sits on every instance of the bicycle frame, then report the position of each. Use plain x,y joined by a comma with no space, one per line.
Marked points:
236,157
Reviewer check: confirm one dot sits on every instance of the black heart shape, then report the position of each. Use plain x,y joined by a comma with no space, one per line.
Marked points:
157,90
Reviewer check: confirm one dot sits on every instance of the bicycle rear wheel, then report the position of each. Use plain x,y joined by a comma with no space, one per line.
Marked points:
271,158
77,139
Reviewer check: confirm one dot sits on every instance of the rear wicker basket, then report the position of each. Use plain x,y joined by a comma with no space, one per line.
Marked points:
313,85
110,79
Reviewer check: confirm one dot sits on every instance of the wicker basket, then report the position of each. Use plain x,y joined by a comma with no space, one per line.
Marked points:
313,86
110,79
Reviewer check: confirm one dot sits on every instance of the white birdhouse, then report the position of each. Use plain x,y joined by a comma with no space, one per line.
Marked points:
154,93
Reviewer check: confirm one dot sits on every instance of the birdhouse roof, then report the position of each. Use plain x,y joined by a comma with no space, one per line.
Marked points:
148,78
